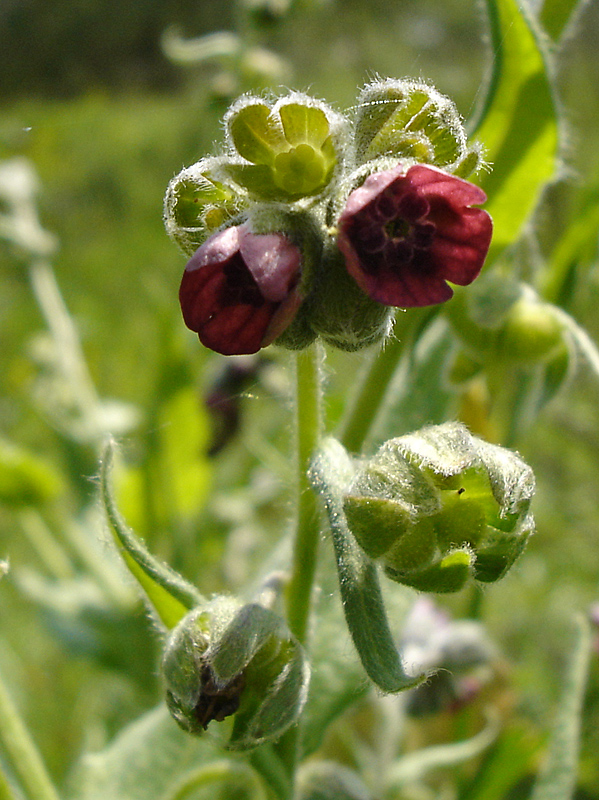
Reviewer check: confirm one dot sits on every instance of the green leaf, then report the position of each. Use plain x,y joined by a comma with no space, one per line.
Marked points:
184,440
555,15
25,478
517,124
358,580
557,778
147,761
169,596
257,133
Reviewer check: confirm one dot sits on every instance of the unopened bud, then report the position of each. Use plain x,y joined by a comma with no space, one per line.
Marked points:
440,505
224,659
410,120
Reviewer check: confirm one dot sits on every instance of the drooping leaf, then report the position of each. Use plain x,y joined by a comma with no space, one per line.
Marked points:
169,596
518,123
358,579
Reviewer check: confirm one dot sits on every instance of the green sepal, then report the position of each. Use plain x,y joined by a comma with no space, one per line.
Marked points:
256,133
408,119
448,574
304,124
363,605
198,201
363,514
168,595
224,659
498,550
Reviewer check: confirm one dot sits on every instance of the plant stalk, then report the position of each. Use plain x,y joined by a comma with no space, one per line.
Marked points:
305,548
22,754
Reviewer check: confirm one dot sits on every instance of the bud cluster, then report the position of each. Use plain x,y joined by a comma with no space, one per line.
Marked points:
312,223
439,506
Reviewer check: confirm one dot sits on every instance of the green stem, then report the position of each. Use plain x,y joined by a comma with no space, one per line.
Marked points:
308,394
6,792
23,755
305,548
376,381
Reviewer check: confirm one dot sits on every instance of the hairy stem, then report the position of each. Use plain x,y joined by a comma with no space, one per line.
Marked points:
308,415
305,548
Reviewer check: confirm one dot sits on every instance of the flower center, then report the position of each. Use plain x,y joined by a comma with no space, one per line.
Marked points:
395,225
239,287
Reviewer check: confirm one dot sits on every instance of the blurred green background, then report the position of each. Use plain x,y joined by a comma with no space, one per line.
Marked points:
89,96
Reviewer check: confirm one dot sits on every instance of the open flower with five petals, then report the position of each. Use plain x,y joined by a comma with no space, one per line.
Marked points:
407,231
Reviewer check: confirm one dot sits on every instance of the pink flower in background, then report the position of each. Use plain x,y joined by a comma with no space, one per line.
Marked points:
239,289
404,233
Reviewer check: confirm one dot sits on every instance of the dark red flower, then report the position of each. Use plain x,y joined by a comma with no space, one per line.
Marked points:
239,289
405,233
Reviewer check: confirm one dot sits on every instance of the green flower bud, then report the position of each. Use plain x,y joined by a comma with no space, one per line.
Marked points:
507,321
225,659
532,331
288,151
440,505
411,120
199,200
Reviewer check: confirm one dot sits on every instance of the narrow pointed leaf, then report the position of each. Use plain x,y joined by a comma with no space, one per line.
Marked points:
517,124
358,579
169,596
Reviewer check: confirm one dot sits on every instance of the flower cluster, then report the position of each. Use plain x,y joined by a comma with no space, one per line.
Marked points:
312,224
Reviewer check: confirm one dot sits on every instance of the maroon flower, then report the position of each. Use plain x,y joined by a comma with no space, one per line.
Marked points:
405,233
239,289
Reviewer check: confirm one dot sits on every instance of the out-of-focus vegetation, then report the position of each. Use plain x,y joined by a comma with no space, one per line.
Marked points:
89,98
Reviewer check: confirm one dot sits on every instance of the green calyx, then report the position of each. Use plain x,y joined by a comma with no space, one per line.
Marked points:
228,660
199,200
440,506
411,120
289,150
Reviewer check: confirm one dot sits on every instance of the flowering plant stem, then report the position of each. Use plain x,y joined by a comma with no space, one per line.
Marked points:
22,753
305,547
308,399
